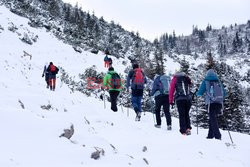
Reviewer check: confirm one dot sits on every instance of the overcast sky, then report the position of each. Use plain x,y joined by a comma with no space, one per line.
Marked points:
152,18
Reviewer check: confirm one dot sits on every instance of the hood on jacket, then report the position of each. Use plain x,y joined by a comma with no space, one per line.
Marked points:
180,74
156,75
211,75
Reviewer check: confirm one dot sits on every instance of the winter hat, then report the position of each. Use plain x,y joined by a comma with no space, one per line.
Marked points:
135,66
50,63
111,69
211,72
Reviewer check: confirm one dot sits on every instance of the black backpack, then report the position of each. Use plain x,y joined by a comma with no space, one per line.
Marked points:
115,81
182,88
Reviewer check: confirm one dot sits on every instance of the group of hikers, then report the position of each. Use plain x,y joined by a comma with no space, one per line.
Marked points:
166,92
49,72
169,92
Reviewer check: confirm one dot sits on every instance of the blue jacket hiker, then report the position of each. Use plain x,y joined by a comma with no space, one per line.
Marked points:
136,80
215,94
160,91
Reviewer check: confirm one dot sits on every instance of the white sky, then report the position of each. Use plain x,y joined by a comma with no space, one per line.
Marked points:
152,18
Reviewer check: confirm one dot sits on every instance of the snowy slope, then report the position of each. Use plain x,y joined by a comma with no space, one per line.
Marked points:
30,135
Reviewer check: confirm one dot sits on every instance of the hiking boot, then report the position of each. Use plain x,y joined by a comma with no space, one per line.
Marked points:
47,86
137,118
157,126
139,115
188,132
169,127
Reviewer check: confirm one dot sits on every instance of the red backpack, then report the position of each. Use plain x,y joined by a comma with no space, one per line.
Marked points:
52,68
138,77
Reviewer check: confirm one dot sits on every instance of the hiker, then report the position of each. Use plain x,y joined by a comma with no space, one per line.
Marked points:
110,62
160,91
106,61
113,83
215,94
46,74
180,92
137,85
52,70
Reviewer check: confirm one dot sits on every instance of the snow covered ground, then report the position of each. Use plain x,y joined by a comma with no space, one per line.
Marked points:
30,134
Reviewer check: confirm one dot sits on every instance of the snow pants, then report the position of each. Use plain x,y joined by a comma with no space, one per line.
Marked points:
184,119
213,110
113,99
162,100
136,103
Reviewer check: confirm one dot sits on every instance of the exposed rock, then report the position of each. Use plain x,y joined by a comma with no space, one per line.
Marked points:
68,133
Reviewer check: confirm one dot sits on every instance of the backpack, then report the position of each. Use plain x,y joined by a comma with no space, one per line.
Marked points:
164,84
182,87
106,58
115,81
138,77
214,93
53,69
110,60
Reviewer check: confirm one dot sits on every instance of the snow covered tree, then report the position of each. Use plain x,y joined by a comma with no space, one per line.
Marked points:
158,61
185,66
54,8
210,61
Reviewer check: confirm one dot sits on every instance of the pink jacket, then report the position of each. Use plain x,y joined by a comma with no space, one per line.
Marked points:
172,86
172,90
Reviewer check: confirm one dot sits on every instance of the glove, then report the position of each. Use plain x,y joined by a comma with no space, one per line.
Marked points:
43,75
172,105
101,97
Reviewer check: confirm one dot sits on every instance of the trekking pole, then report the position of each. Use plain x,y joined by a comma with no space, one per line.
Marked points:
228,130
128,109
104,99
197,122
120,99
197,115
230,136
152,110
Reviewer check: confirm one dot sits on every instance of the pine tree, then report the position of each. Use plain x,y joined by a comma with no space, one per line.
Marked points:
158,60
185,66
233,117
222,50
237,43
67,12
210,61
187,49
54,8
248,48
